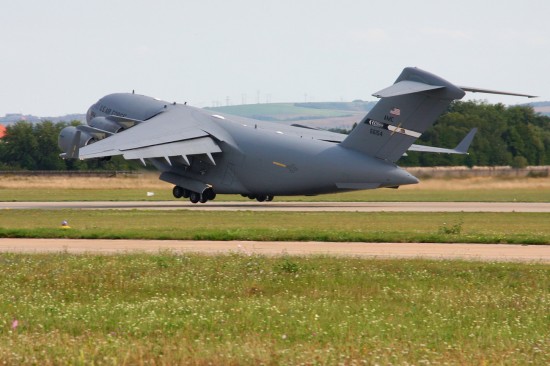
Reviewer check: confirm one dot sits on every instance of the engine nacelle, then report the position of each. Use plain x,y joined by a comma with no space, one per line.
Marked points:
67,135
104,124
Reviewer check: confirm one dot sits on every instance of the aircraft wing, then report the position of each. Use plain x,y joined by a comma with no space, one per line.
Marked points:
171,134
320,134
461,148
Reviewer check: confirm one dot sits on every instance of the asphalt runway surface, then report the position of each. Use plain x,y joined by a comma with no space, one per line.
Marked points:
479,252
291,206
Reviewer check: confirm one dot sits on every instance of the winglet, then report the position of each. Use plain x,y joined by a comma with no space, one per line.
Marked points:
464,145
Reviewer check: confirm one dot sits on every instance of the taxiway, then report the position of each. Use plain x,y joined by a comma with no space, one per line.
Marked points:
291,206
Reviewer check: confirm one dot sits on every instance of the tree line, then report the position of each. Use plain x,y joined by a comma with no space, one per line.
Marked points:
514,135
33,146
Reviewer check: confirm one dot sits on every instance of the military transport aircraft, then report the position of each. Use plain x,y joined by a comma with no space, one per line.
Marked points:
204,153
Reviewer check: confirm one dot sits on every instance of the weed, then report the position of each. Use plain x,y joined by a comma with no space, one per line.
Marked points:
288,266
236,309
454,229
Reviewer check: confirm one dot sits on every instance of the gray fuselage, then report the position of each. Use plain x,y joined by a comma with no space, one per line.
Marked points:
260,157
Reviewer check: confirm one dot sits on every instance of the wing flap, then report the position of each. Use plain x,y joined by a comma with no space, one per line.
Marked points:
174,133
203,145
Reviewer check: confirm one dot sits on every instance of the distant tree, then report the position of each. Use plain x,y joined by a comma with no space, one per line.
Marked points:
20,146
31,146
514,136
46,134
504,134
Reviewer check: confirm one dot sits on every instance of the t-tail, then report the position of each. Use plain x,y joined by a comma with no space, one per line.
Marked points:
406,109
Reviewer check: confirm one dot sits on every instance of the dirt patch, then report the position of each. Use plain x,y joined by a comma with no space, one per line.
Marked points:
480,183
145,181
482,252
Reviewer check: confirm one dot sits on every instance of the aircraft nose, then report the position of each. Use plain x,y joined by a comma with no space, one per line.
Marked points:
90,114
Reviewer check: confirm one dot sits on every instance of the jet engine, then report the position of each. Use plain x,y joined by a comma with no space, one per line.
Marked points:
67,136
102,123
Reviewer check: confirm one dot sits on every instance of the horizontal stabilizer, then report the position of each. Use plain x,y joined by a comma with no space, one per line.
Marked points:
488,91
461,148
405,87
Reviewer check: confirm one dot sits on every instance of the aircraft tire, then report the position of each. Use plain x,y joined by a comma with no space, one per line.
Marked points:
203,199
252,196
194,197
177,191
186,193
269,198
261,197
209,194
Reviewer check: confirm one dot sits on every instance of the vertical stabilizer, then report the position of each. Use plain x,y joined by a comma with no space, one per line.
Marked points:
406,109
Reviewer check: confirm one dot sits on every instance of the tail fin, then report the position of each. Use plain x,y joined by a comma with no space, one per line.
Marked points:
406,109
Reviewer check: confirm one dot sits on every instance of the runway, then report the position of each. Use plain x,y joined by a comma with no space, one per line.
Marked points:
479,252
290,206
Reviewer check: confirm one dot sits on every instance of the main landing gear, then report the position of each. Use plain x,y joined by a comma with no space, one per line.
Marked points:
209,194
259,197
194,197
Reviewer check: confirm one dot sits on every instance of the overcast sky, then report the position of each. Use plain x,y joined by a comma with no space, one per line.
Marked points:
59,57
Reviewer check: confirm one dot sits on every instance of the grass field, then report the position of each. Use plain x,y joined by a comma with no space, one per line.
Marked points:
282,111
166,308
135,188
524,228
169,309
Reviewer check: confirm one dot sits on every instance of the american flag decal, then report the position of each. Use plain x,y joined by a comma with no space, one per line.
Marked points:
395,112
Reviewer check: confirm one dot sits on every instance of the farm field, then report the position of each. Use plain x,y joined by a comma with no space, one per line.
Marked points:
237,309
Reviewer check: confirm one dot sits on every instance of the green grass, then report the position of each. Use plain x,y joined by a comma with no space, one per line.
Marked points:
378,195
235,309
525,228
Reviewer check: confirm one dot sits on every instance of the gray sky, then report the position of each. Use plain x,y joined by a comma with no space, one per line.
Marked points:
61,56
